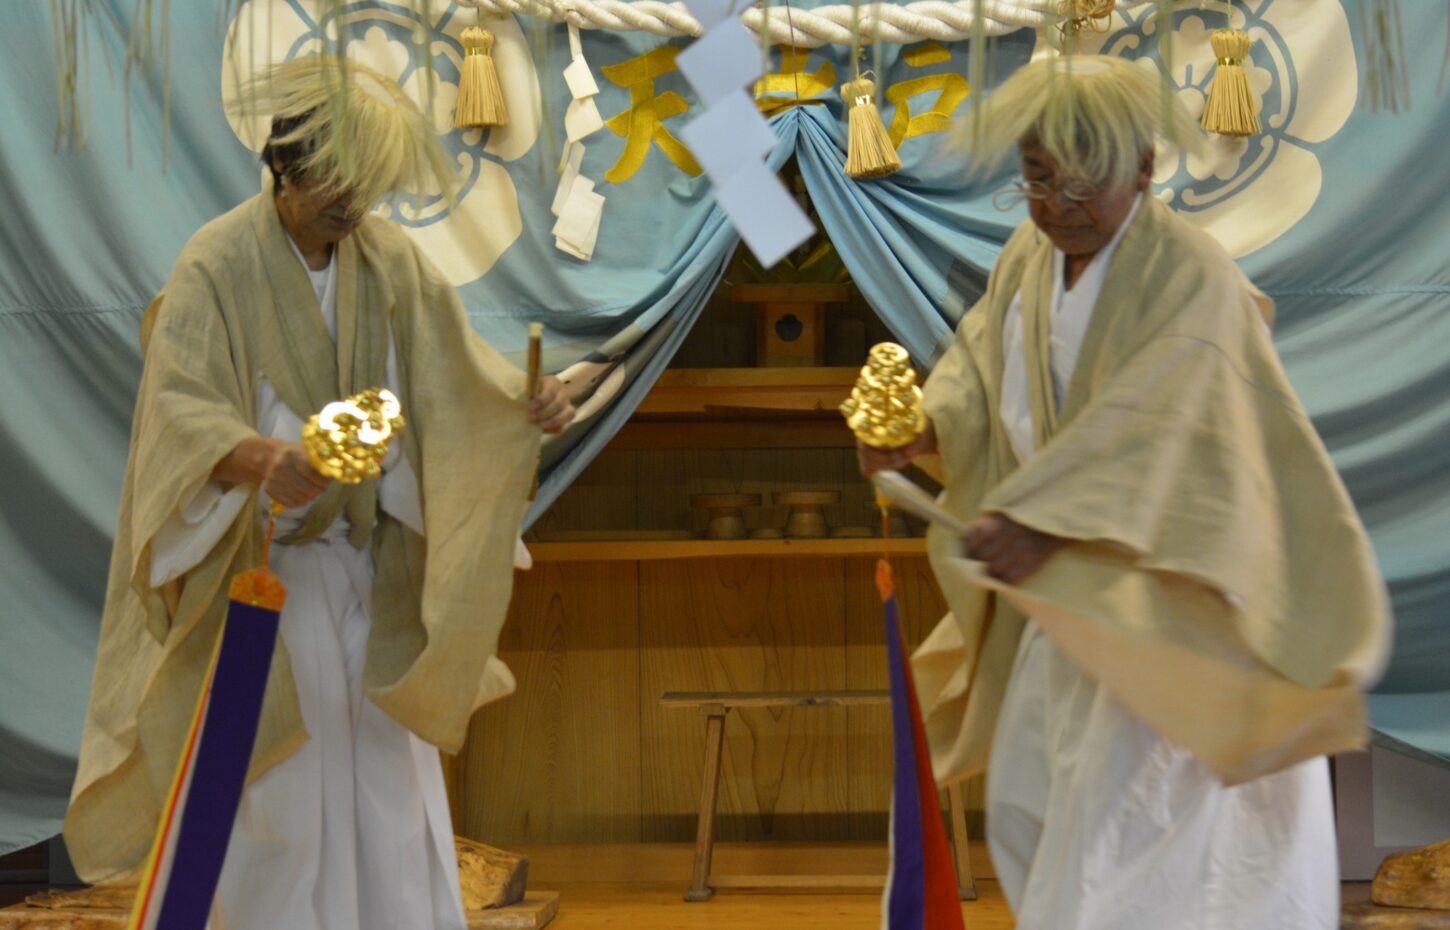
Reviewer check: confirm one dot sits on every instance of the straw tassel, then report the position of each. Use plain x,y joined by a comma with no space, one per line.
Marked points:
869,152
1232,109
480,98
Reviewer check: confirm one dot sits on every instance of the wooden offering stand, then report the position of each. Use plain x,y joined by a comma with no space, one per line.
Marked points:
727,518
807,518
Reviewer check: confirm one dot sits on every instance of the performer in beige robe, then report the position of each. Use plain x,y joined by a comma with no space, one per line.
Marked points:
1167,608
397,588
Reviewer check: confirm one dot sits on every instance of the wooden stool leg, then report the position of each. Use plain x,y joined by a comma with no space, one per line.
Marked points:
700,889
966,884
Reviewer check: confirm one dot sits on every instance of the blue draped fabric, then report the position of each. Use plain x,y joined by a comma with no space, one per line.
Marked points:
1337,212
918,248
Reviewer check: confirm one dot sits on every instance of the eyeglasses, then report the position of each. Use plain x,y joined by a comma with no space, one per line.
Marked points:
1074,189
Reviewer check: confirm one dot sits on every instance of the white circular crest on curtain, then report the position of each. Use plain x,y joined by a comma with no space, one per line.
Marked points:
466,242
1249,192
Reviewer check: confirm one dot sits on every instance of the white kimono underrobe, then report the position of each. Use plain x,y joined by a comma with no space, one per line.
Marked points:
1096,823
352,832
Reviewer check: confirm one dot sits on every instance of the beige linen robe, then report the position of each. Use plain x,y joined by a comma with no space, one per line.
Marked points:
1219,584
439,600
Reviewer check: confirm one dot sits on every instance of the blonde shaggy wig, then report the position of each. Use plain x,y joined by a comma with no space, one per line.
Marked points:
360,135
1096,115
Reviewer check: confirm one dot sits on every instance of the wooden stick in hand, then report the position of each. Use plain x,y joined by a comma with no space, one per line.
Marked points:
536,351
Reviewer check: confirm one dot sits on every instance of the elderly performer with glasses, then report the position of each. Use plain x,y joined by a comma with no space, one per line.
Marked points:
1167,609
397,588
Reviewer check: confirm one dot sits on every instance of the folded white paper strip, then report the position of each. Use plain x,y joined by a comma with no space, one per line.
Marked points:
577,205
909,496
730,139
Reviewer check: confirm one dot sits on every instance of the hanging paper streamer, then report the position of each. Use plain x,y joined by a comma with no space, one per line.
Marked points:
730,138
347,442
578,206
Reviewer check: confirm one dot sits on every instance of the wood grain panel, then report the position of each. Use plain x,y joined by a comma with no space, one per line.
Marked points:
649,550
775,433
559,760
455,785
744,625
601,498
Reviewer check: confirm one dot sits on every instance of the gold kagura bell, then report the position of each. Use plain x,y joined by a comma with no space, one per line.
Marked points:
884,409
348,440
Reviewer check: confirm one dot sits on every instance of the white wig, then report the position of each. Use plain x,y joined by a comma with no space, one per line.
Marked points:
1096,115
360,134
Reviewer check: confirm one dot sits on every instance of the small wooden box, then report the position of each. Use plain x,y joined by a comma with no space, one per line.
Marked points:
791,321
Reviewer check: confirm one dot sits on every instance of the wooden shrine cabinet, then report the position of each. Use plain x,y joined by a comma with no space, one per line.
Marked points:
626,601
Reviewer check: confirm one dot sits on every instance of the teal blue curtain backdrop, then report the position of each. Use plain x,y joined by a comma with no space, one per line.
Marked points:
1336,211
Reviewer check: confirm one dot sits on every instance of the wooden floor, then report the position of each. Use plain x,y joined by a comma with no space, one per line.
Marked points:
640,887
659,907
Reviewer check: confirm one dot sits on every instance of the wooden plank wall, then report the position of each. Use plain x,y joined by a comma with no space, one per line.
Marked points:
583,753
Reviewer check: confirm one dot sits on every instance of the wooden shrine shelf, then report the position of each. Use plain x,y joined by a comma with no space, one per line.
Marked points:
742,408
758,394
637,550
814,432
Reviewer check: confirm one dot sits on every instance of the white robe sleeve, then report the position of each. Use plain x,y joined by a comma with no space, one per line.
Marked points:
198,524
1015,406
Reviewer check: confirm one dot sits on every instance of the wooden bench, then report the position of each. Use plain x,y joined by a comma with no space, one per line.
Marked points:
714,706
